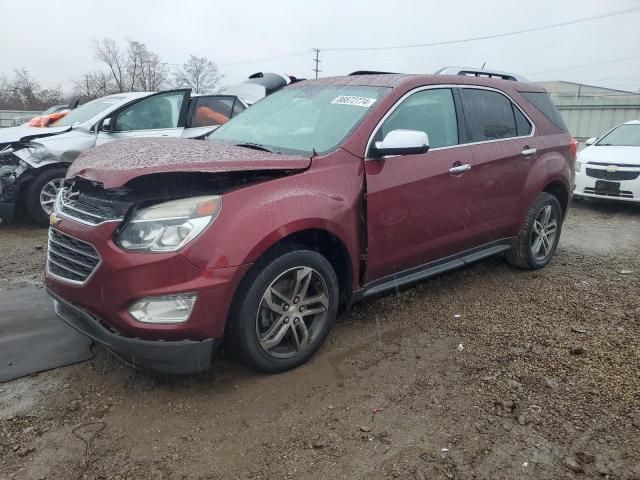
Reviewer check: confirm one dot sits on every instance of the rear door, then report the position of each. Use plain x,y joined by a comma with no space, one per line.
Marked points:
208,112
417,208
504,147
159,115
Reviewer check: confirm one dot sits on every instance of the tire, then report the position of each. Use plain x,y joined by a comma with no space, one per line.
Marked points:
254,318
32,201
523,253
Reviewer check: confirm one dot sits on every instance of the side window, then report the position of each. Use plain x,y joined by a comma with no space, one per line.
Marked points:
488,115
523,127
212,111
157,111
431,111
238,107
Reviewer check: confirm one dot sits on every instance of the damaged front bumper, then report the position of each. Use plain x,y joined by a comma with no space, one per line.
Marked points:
168,357
11,169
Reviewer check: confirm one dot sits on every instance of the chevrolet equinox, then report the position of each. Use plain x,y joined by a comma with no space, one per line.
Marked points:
326,193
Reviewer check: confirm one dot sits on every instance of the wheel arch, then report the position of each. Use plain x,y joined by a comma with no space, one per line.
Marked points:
559,190
328,244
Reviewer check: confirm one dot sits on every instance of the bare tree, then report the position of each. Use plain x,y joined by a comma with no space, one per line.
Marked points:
93,85
200,74
108,52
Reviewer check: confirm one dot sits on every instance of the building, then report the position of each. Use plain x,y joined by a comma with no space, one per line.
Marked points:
590,110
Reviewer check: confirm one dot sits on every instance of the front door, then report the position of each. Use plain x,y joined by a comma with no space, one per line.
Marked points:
159,115
417,206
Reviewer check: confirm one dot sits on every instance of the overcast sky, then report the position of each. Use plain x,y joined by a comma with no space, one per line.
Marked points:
52,39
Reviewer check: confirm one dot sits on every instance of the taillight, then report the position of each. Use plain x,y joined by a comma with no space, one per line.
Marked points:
573,149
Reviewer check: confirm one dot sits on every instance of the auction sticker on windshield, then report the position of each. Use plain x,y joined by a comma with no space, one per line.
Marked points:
351,100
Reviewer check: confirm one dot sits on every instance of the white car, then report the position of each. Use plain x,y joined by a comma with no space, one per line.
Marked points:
609,167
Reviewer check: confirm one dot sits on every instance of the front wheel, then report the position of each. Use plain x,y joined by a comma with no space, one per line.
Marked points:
539,235
41,194
285,310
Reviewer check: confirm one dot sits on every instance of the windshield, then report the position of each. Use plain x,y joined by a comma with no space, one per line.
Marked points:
87,111
622,136
301,119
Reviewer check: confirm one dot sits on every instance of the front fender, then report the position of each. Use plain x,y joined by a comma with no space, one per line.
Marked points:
254,218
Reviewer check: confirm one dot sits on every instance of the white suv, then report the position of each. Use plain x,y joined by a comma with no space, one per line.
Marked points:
609,167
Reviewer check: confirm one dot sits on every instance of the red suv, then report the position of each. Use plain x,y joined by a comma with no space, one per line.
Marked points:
325,193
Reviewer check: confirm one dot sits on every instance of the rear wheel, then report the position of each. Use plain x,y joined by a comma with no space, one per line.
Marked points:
285,310
41,194
539,235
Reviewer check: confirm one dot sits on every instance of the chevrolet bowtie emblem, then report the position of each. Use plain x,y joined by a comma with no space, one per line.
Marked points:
612,168
54,220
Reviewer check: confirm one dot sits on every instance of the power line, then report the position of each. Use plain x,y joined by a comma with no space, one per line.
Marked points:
486,37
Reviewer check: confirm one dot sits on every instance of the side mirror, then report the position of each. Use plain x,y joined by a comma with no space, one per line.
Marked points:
591,141
106,125
402,142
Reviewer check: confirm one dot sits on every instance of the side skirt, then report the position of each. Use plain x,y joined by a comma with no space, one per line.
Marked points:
417,274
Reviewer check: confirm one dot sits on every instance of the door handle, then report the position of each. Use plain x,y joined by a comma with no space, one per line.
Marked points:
460,168
527,152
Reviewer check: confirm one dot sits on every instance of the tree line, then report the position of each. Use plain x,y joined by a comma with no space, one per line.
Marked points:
126,67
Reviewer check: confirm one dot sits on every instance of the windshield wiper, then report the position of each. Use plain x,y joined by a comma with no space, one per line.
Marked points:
257,146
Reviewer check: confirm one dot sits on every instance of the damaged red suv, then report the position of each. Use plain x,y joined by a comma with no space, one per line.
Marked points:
323,194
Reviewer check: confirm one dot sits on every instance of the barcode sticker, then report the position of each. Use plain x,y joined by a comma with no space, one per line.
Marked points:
357,101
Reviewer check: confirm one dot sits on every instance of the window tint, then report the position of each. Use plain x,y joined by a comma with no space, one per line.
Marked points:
430,111
157,111
523,126
543,102
212,111
488,115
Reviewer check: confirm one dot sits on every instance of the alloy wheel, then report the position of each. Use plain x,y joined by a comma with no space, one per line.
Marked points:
543,234
49,193
292,312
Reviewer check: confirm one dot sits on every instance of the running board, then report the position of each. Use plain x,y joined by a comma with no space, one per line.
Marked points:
417,274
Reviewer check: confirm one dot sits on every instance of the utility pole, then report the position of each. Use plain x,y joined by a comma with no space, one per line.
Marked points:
317,61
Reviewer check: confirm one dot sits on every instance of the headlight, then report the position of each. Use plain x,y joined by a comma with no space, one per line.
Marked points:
578,166
34,152
169,226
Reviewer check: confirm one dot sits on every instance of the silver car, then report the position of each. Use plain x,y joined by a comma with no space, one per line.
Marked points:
34,160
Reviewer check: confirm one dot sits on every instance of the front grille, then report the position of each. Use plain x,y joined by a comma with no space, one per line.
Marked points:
69,258
620,194
605,175
76,206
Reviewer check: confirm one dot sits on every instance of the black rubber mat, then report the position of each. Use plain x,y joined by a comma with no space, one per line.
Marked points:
32,338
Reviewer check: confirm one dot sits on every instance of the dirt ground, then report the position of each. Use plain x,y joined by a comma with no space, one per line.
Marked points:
486,372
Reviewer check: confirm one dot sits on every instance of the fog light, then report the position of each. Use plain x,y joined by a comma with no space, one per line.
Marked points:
169,309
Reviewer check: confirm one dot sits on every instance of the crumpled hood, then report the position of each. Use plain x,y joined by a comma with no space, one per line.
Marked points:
116,163
25,133
609,154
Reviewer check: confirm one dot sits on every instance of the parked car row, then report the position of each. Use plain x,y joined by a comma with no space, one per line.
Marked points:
34,160
322,194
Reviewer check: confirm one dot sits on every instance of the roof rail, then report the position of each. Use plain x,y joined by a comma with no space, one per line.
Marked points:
370,72
479,72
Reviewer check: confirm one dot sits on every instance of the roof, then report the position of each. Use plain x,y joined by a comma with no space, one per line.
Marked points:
411,80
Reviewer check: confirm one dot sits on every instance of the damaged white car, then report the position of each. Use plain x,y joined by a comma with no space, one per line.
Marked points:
34,160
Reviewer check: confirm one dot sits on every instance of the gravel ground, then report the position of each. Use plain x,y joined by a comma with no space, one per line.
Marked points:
486,372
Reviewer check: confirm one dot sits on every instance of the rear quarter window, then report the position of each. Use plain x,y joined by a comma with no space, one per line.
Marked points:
542,102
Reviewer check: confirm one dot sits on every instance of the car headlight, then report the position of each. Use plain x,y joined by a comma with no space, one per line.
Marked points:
578,166
34,152
169,226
